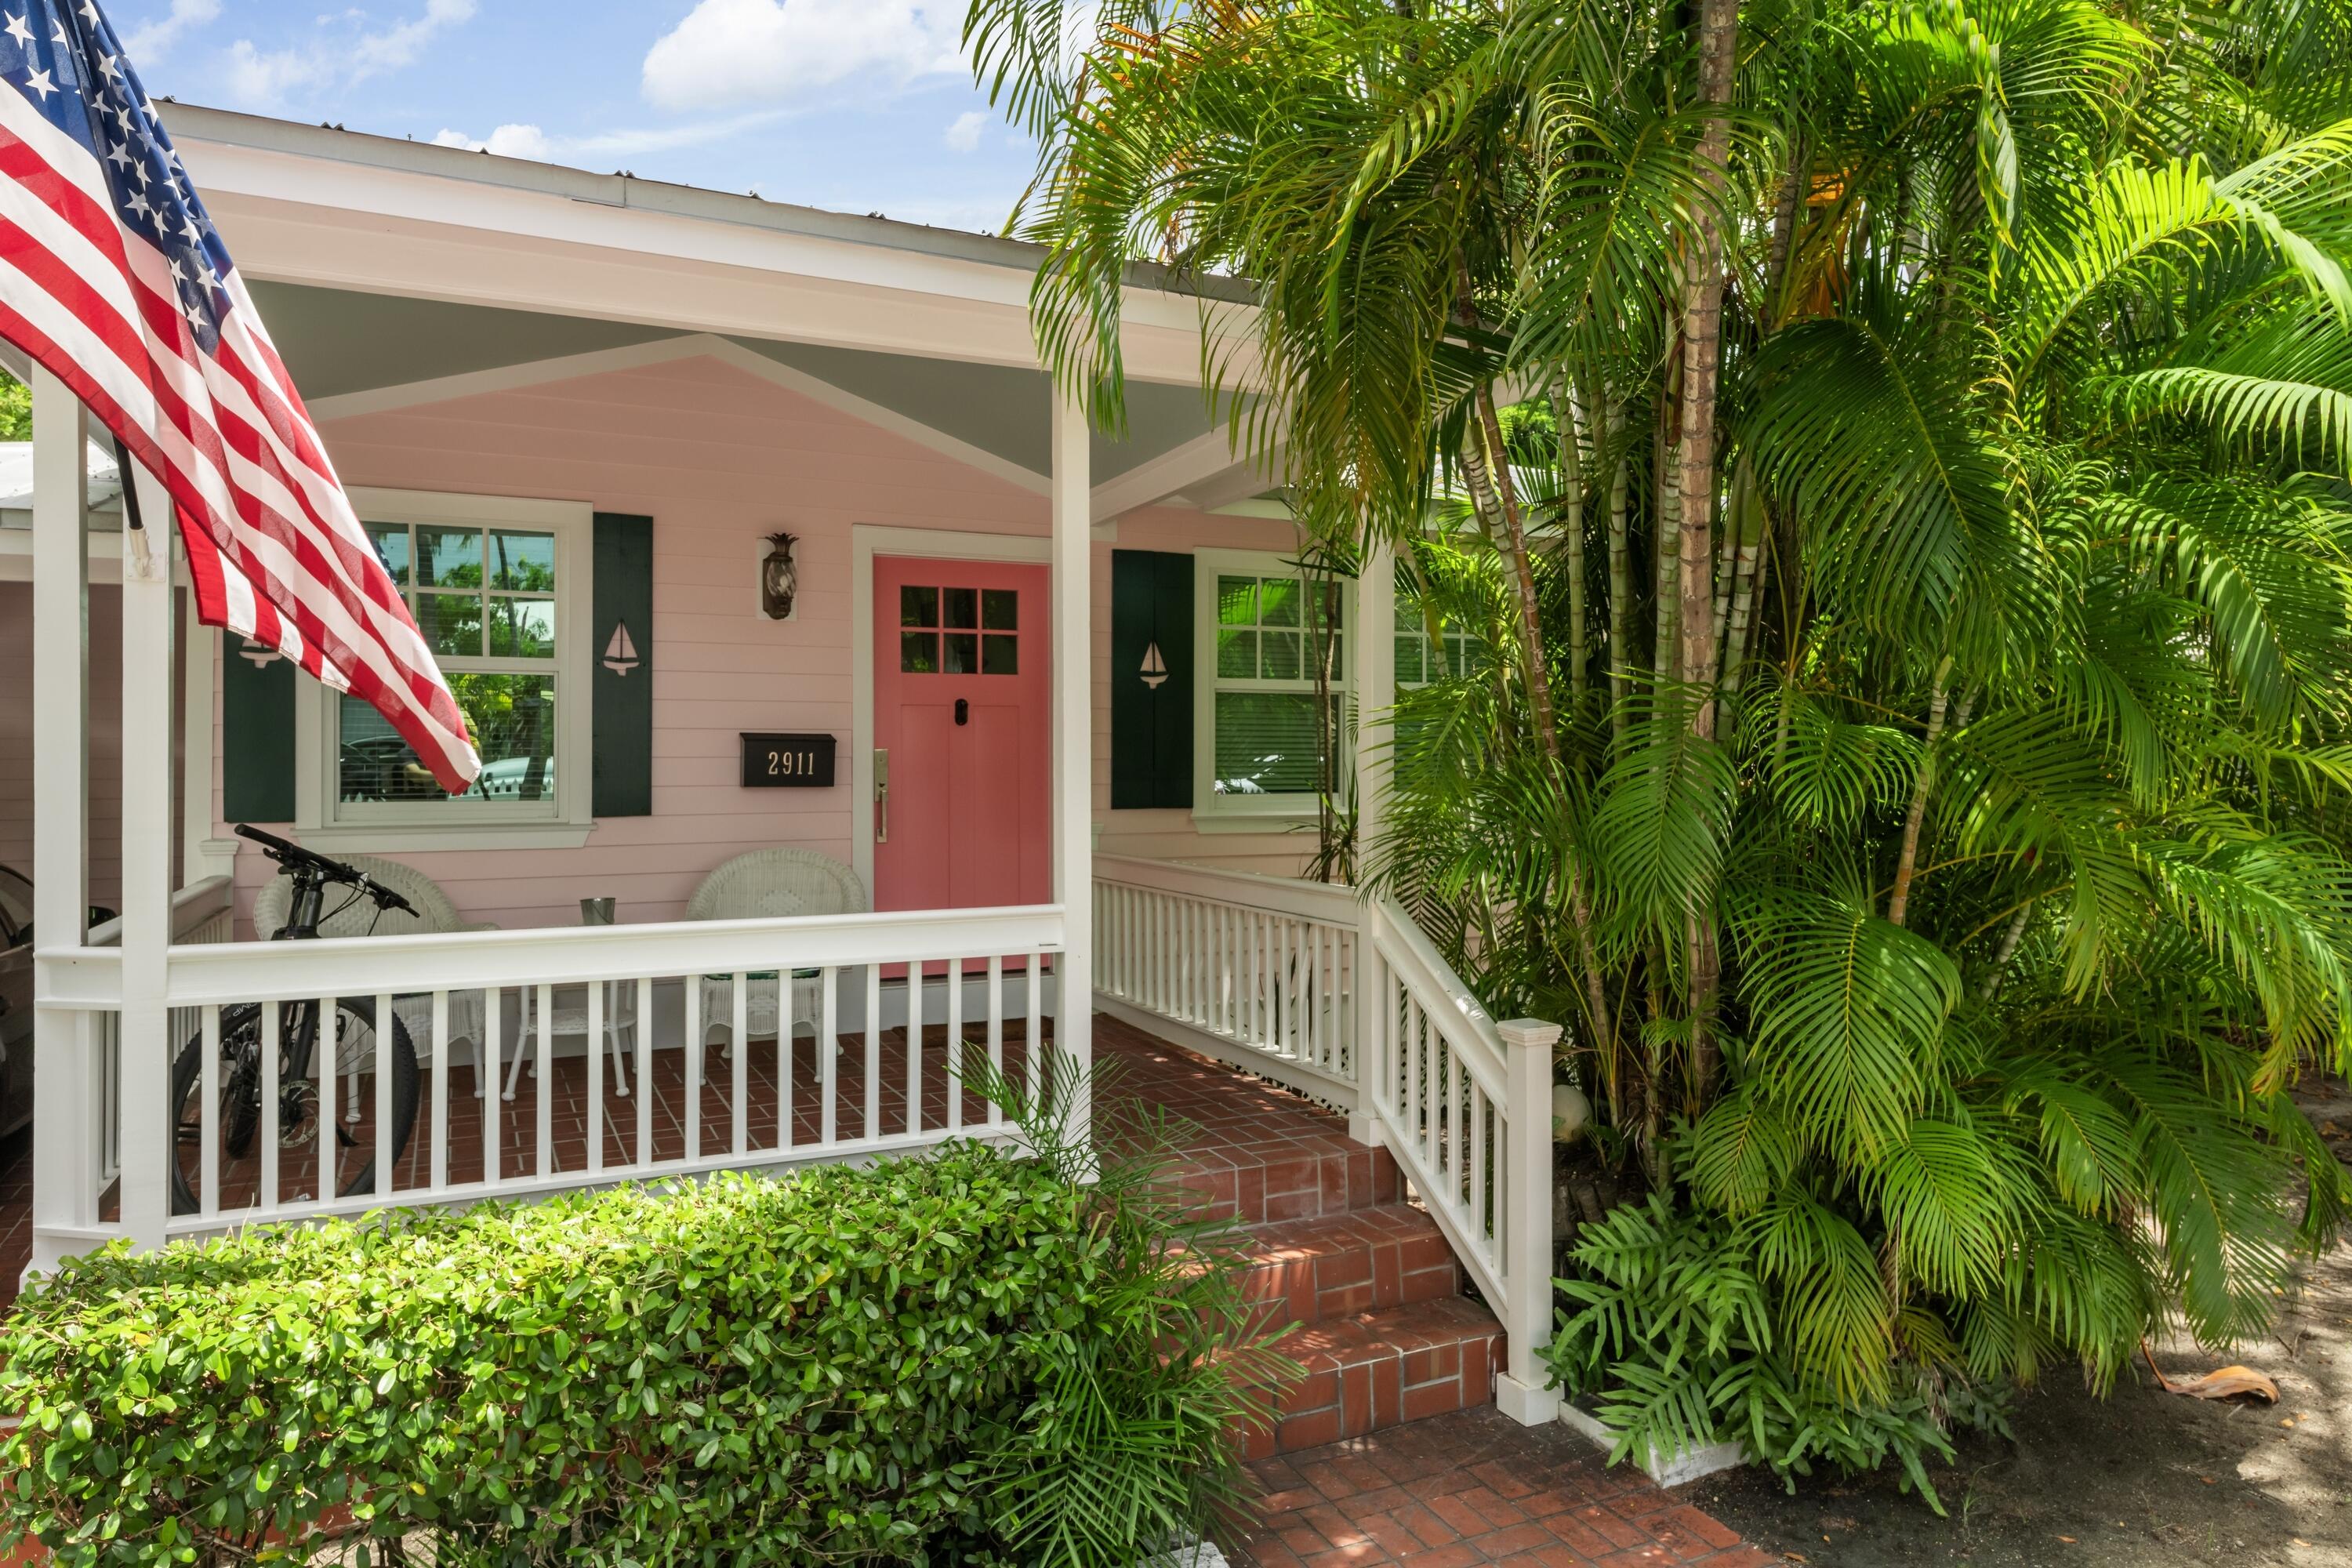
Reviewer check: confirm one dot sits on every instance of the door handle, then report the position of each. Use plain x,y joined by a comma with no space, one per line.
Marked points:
881,794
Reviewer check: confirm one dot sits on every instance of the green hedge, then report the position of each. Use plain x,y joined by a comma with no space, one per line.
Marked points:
850,1364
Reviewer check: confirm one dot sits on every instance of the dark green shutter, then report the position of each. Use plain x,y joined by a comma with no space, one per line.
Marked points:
257,735
623,698
1150,726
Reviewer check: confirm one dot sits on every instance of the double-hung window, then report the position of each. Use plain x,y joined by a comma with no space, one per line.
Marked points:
1262,733
499,590
1422,658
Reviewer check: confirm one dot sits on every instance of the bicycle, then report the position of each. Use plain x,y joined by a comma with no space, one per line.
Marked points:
239,1109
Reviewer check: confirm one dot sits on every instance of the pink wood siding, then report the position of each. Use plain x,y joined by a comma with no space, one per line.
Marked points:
17,741
718,458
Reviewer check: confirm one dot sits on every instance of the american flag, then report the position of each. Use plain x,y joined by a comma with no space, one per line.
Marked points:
113,278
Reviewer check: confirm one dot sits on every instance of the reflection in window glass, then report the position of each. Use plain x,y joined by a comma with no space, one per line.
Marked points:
512,718
1000,656
1237,601
1265,743
1000,609
392,549
523,563
919,607
960,606
522,628
918,652
450,557
452,624
1421,658
484,601
1267,727
962,653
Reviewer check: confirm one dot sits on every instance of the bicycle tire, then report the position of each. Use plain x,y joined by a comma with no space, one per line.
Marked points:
186,1075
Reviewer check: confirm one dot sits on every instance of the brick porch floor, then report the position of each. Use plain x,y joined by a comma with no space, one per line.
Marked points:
1473,1486
1463,1487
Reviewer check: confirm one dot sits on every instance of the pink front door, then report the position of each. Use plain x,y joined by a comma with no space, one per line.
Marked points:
960,706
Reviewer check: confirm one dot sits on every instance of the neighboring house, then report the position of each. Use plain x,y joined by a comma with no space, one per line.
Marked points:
572,410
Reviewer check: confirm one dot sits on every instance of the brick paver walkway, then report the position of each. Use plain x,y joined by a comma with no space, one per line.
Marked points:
1470,1488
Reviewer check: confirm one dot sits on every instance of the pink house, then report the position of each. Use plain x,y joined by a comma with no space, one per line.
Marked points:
797,617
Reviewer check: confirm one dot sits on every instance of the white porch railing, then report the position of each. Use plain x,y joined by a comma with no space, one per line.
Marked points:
1260,971
203,913
1347,1000
629,995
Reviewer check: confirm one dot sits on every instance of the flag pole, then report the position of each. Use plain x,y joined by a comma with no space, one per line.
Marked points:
135,541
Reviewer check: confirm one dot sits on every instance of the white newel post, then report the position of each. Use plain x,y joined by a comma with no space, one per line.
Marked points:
1375,695
147,878
1520,1392
66,1108
1073,751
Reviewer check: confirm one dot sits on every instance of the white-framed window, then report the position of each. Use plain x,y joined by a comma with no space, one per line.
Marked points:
1258,630
499,589
1422,658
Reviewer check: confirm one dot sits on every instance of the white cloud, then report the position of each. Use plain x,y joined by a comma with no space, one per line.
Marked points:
344,54
963,133
530,141
150,40
507,142
744,51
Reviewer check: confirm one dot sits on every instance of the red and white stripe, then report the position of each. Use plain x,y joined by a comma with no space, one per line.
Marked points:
274,551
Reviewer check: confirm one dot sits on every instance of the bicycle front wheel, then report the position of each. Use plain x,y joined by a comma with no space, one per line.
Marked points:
338,1157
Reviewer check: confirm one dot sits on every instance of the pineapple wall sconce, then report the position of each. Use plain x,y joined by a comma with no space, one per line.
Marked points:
780,577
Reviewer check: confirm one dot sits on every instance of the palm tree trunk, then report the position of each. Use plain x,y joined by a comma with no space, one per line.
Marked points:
1740,635
1568,416
1718,29
1784,233
1666,590
1898,904
1494,468
2008,941
1718,57
1621,574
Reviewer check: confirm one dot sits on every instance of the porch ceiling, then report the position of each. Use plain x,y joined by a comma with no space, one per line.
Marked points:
338,343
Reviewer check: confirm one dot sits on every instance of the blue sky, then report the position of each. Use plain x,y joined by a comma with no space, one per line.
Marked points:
854,105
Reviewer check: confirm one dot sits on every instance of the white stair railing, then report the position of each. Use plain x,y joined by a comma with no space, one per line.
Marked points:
1347,1000
1465,1104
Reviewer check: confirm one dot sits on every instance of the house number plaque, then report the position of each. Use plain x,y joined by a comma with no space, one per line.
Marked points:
787,762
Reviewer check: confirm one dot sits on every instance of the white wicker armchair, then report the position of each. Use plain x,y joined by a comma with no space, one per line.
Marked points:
435,913
770,884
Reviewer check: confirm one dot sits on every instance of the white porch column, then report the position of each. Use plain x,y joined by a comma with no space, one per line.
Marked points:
1073,749
201,854
66,1132
147,880
1375,691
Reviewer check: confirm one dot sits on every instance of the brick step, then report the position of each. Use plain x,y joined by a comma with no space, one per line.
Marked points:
1381,1368
1335,1266
1275,1179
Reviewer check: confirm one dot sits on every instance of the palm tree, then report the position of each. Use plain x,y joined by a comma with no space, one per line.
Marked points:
1943,862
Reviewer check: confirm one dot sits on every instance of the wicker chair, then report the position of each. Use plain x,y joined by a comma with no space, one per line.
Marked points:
435,913
771,884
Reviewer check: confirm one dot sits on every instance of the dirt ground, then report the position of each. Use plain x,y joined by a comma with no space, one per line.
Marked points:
2142,1479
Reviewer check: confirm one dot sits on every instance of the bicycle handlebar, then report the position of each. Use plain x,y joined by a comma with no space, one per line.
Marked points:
290,854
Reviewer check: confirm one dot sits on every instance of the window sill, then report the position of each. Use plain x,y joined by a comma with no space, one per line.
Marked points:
392,837
1254,819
